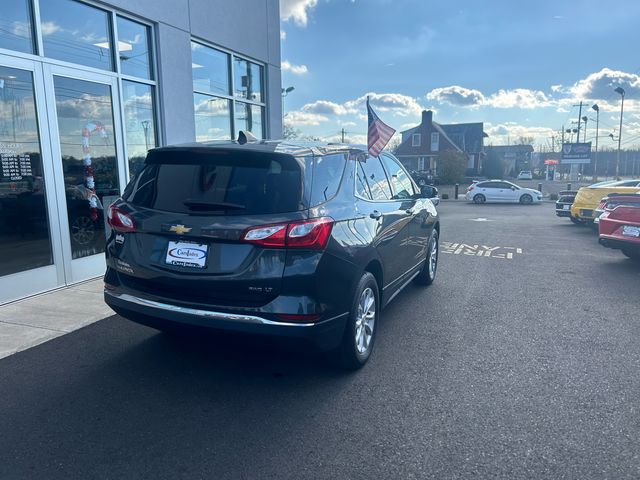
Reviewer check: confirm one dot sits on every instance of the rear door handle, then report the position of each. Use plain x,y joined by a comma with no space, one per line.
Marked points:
376,215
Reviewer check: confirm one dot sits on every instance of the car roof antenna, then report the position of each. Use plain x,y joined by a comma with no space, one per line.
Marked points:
245,137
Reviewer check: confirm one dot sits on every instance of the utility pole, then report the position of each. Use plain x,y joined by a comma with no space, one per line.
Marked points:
574,167
595,163
343,132
579,119
621,91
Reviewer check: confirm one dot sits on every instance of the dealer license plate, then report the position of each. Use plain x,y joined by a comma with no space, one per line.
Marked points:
187,254
566,207
631,231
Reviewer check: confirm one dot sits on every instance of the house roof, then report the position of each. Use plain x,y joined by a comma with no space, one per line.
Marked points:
464,137
468,136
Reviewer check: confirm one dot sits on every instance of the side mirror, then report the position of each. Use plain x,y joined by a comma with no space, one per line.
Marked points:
427,191
513,188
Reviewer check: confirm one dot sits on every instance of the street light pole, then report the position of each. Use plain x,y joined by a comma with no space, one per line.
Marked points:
621,91
285,92
595,162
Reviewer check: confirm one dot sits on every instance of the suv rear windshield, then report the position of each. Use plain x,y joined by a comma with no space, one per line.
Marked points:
233,183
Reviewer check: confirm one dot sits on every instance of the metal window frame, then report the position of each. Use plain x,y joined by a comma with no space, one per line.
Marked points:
231,55
112,17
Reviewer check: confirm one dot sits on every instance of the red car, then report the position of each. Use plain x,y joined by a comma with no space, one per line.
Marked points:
619,225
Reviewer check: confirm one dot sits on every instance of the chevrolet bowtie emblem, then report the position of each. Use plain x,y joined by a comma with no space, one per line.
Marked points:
179,229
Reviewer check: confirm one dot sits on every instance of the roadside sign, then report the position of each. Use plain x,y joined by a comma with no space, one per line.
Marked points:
576,153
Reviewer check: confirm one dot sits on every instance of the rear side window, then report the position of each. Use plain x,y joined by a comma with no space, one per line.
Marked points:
376,179
220,183
326,174
402,186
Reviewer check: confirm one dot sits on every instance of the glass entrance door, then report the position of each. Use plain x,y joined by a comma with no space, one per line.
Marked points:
87,151
30,248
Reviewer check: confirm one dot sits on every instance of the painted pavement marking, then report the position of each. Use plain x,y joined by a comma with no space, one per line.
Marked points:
480,250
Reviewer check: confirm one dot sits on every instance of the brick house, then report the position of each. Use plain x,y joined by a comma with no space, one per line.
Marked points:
421,145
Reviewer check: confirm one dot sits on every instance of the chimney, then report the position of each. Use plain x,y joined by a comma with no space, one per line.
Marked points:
427,117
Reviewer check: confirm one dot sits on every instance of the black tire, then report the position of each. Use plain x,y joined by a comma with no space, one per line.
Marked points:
526,199
575,220
632,254
349,356
428,274
479,198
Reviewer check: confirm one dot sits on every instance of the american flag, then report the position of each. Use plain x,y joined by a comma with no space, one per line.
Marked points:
379,133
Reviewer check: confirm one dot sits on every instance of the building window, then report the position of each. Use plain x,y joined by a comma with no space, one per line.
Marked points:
228,94
134,50
247,80
212,117
416,140
77,33
16,26
139,122
421,164
249,117
435,141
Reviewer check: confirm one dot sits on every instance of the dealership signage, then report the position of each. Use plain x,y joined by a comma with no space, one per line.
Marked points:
575,153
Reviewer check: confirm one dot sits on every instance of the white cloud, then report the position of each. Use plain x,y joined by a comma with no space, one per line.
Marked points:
296,10
298,118
510,131
283,35
295,69
49,28
325,107
518,98
457,96
396,103
601,85
348,124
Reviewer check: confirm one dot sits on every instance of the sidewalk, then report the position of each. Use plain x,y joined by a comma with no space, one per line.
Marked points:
35,320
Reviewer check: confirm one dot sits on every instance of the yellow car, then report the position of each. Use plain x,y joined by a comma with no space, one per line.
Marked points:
588,198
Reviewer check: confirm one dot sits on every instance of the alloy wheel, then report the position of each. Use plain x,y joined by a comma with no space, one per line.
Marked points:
83,230
365,320
433,257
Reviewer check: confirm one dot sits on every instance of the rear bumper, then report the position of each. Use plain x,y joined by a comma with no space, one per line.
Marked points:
617,243
563,213
324,334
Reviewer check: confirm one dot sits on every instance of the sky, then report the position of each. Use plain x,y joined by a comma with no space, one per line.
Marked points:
519,66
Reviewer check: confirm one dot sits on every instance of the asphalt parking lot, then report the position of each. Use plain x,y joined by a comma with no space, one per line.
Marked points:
521,361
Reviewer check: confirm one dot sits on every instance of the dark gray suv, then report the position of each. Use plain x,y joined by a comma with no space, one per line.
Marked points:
298,240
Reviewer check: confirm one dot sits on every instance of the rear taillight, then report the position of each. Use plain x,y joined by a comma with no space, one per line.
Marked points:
309,234
120,221
602,205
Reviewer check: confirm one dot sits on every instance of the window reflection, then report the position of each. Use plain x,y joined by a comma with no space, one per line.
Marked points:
90,169
210,69
248,117
133,48
75,32
140,124
213,118
247,80
16,27
24,223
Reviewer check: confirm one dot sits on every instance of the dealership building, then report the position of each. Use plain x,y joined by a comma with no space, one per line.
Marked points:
86,88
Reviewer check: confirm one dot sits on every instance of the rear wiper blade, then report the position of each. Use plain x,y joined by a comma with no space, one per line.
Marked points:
199,205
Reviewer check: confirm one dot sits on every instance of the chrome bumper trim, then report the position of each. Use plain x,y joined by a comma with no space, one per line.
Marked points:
232,317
